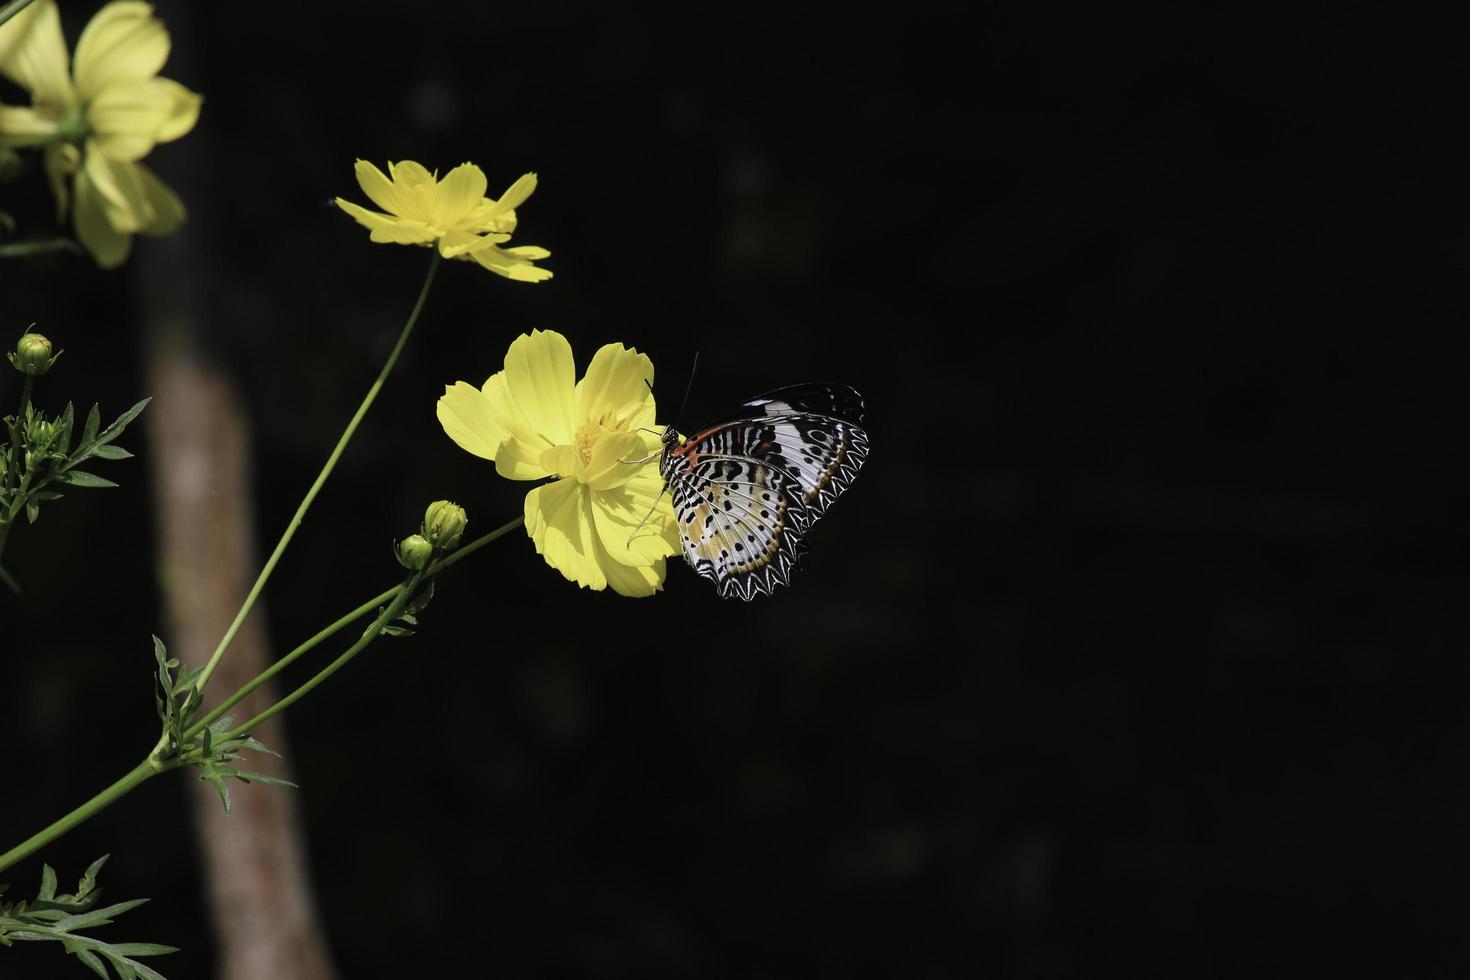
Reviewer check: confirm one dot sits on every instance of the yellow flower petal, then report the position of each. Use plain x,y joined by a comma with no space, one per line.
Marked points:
107,245
618,514
27,123
564,461
183,109
126,118
456,242
33,55
515,195
608,466
520,453
513,263
635,583
616,384
119,189
377,187
465,414
386,228
124,42
558,521
540,379
460,192
166,210
416,190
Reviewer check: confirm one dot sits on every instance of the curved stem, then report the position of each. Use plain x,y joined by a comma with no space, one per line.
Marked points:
345,621
140,773
405,593
149,768
270,564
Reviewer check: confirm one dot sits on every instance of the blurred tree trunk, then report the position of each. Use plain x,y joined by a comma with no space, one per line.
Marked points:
254,862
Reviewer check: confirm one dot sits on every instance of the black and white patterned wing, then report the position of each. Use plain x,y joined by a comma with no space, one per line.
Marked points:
747,489
813,432
740,525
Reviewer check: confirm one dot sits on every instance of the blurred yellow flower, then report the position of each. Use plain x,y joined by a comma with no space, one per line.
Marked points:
453,212
534,422
96,120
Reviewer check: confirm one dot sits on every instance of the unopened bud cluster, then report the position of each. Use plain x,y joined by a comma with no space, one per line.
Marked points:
444,524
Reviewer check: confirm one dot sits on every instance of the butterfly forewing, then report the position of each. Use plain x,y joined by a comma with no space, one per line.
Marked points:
747,489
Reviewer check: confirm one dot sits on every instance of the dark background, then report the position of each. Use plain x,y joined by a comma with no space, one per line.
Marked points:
1138,649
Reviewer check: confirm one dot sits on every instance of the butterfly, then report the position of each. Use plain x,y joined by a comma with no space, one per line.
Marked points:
748,488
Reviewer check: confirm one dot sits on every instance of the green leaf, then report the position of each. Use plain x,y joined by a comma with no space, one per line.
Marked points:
97,917
90,958
116,428
78,478
143,949
264,780
62,438
48,884
111,452
33,511
89,431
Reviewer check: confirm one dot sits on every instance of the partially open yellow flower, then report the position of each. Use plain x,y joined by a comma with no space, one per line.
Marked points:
98,119
452,213
535,422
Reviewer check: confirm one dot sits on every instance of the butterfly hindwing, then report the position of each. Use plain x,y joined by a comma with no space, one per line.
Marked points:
747,489
740,525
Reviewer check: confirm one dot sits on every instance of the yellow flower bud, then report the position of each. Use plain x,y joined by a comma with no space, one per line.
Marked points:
414,552
33,355
444,524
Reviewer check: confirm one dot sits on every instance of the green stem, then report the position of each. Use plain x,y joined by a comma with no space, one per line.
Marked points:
140,773
17,457
270,564
151,767
340,624
405,593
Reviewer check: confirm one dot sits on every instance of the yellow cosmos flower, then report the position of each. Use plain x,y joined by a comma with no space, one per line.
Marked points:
453,212
97,119
534,422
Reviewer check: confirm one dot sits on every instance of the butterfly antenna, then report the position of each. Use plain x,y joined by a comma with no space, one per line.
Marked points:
687,389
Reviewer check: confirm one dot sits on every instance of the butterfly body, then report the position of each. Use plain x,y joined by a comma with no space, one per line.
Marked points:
747,489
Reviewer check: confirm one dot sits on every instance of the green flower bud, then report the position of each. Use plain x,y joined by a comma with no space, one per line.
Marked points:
39,432
33,355
414,552
444,524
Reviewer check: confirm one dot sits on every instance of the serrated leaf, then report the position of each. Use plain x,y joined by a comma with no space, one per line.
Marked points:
79,478
105,451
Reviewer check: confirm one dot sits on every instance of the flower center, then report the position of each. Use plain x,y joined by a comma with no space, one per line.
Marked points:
72,126
592,429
